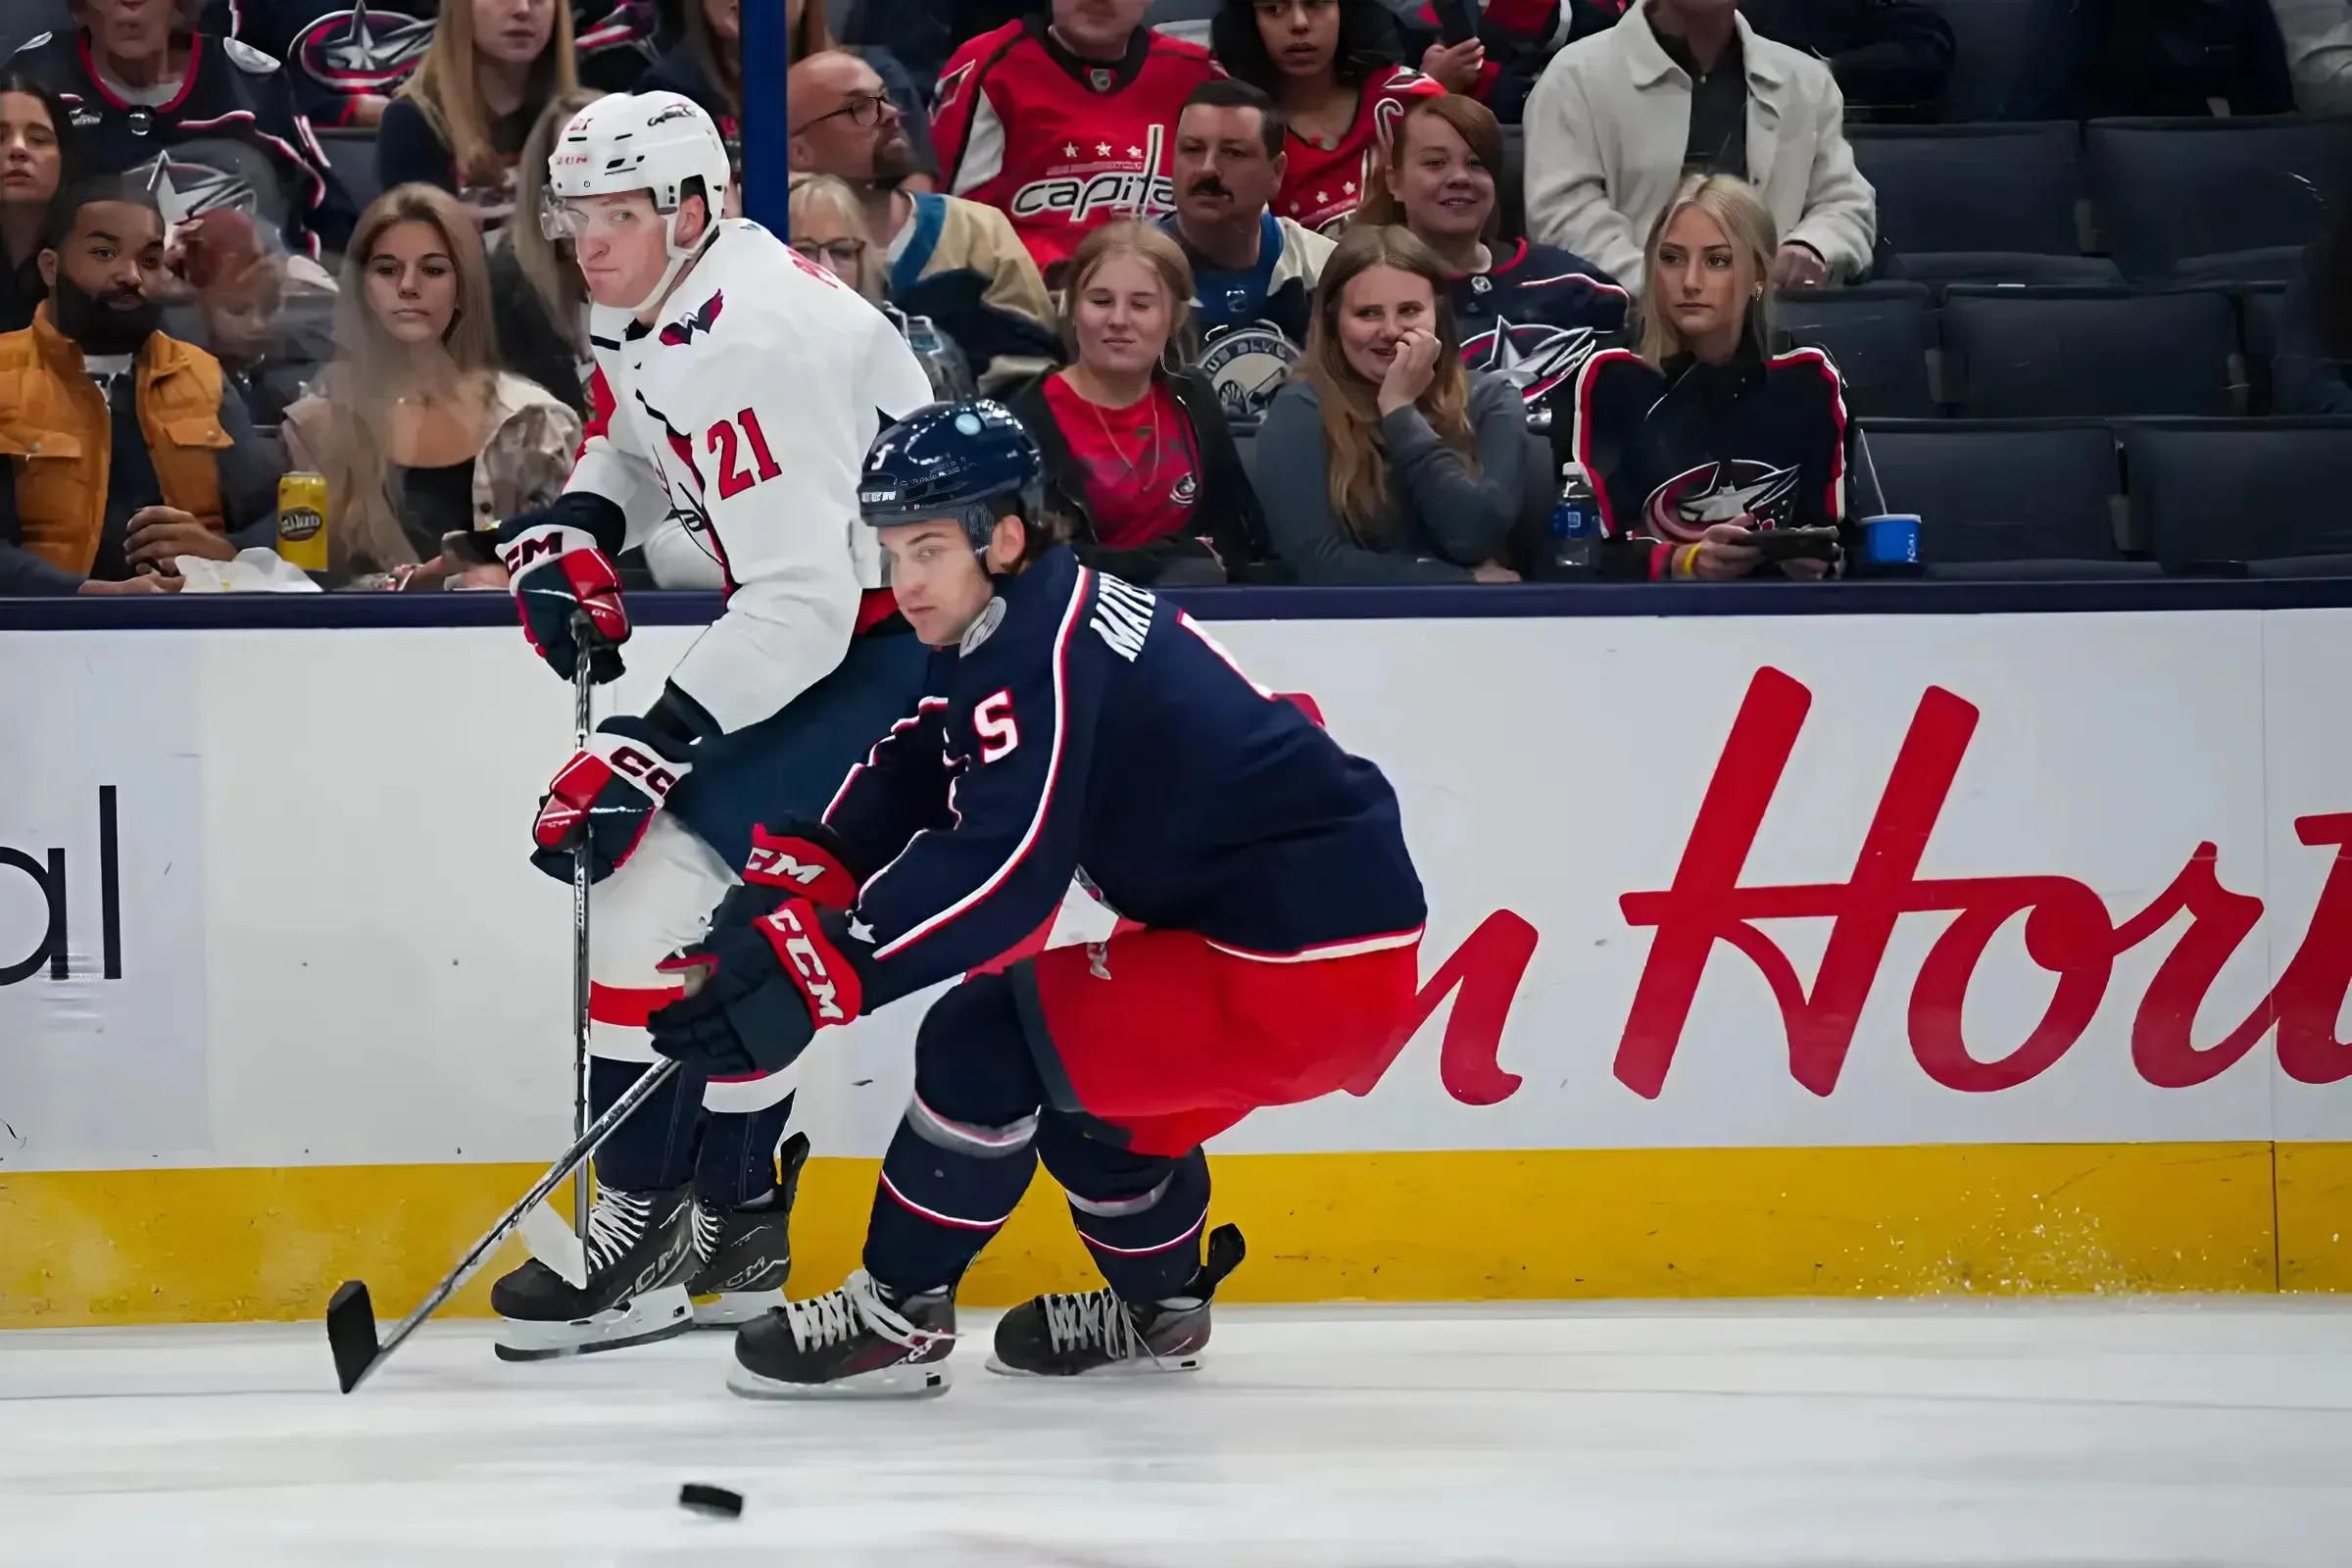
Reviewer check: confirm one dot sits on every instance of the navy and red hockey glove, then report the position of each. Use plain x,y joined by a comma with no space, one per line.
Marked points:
804,859
562,582
757,994
609,792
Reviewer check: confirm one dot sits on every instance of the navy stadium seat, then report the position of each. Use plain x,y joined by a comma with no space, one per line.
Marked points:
1511,183
1997,188
2259,310
1993,490
1878,334
2022,353
2210,492
1941,270
1998,54
1182,18
2215,199
350,154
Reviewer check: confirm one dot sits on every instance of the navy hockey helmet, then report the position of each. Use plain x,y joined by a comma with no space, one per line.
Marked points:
968,462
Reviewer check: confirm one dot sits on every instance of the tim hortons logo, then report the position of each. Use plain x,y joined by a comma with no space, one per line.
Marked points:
2068,931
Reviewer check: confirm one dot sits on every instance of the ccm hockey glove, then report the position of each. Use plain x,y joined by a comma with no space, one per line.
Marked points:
609,792
806,858
757,994
559,577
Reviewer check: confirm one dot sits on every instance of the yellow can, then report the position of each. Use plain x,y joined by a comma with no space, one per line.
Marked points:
302,520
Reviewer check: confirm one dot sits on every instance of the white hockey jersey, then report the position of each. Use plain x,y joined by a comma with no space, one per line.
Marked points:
745,413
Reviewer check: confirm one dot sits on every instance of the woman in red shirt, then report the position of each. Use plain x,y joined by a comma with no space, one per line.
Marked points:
1331,65
1142,475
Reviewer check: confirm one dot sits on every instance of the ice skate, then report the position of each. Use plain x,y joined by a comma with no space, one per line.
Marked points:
640,1253
1065,1336
854,1342
744,1256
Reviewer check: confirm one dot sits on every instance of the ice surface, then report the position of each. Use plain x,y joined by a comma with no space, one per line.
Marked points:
2179,1431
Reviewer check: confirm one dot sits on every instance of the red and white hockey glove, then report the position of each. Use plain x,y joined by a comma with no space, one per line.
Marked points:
757,994
560,579
805,858
609,792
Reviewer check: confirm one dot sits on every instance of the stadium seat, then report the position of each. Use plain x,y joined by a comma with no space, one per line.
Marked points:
2209,493
1997,188
2024,354
1182,18
1995,60
1510,187
1992,491
1878,334
2258,310
2218,199
1938,270
350,154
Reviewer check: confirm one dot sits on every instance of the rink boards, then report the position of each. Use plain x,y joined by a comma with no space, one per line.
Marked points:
1777,954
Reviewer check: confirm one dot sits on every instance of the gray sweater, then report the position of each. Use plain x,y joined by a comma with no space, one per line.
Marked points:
1443,519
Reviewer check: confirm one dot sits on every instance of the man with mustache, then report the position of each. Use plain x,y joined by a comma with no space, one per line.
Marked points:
125,449
958,262
1253,274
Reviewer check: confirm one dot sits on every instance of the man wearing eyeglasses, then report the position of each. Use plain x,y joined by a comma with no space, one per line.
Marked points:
1063,122
954,261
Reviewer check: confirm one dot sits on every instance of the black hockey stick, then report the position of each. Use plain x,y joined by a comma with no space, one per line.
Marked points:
351,1316
583,682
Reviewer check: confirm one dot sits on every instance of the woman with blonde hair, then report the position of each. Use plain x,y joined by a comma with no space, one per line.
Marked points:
416,431
1713,458
828,228
1385,460
461,121
1142,475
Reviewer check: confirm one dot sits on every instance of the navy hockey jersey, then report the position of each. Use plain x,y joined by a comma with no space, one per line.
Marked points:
1534,317
336,50
1086,727
1674,451
1252,320
230,137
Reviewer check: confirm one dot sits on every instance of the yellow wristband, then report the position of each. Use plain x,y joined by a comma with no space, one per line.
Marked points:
1683,559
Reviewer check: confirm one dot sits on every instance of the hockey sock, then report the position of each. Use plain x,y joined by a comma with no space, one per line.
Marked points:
736,1165
963,1155
1139,1215
654,1149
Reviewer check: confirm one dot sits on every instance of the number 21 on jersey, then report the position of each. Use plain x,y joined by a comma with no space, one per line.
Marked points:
733,478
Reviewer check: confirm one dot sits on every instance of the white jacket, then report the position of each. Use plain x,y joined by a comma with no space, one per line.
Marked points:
2319,52
1607,123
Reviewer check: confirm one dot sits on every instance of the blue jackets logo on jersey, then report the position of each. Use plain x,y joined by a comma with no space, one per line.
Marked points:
1534,357
354,52
1248,364
1686,506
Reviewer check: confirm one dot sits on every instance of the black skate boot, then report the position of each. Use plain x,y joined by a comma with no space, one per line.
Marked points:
640,1252
1062,1336
854,1342
745,1254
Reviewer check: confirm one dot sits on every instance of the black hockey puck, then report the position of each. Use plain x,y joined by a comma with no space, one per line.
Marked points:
717,1502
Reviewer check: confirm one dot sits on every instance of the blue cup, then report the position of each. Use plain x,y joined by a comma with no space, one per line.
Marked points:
1892,539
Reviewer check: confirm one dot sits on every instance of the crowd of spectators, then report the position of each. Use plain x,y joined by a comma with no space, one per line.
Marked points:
1288,291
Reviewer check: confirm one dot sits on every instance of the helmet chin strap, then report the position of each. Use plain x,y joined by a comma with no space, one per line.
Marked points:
680,255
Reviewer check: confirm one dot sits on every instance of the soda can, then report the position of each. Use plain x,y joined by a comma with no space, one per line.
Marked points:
302,520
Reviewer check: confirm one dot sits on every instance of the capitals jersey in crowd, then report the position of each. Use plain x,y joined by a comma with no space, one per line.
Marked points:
1254,319
1088,728
1535,318
745,413
1062,145
1322,185
1672,452
229,135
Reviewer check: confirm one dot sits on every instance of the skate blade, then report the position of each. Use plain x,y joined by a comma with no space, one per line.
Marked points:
925,1380
655,1315
732,1309
1143,1368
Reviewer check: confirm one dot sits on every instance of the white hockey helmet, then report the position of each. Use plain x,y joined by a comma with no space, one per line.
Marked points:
649,142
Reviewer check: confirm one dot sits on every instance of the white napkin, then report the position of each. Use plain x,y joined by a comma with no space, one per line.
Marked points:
253,572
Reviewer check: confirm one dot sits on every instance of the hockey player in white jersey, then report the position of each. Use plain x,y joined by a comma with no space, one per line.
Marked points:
737,389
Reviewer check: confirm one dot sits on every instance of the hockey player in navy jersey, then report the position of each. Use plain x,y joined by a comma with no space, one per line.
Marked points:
1072,725
737,390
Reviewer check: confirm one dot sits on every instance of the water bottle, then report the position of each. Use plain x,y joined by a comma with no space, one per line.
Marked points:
1576,515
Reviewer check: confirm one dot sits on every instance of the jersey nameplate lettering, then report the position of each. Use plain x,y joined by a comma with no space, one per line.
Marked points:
1122,615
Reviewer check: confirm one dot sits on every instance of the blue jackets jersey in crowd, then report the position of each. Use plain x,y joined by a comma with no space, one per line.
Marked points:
1087,727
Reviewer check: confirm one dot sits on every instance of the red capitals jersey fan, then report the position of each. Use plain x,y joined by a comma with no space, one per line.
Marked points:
1063,145
1323,184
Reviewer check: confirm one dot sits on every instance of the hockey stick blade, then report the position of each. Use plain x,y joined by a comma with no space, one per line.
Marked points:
351,1332
350,1317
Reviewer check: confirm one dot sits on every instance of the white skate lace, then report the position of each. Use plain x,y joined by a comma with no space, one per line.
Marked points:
614,1224
1099,1318
840,1314
708,1229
